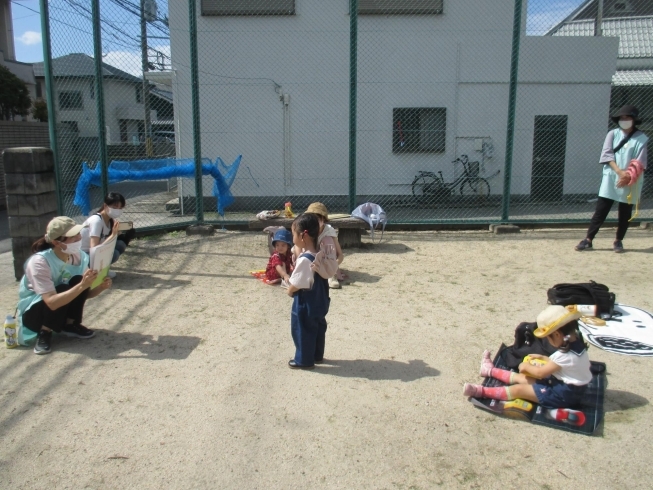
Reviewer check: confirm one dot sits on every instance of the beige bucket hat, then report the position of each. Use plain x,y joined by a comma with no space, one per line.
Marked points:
552,318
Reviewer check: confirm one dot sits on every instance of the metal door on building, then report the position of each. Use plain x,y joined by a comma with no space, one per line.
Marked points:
549,148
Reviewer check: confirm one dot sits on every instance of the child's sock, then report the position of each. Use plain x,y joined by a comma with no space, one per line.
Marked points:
503,375
488,370
478,391
486,364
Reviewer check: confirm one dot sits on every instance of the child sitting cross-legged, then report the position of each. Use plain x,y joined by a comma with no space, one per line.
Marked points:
559,382
280,264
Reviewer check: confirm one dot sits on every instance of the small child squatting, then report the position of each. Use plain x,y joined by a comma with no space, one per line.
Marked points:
280,263
560,383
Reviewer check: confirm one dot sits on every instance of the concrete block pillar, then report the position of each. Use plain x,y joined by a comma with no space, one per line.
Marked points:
31,198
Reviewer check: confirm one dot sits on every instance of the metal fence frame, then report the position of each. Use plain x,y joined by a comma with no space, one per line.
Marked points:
197,156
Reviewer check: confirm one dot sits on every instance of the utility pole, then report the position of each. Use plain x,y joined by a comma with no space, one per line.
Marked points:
146,83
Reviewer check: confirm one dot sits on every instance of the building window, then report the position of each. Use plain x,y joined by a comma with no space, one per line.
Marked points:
419,130
139,95
39,91
70,100
399,7
72,125
248,7
92,89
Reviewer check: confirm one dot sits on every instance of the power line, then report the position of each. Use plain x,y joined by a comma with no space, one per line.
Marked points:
136,10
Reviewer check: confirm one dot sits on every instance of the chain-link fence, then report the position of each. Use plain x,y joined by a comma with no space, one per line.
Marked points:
440,111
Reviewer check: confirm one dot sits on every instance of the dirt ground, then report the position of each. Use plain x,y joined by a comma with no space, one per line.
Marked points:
186,383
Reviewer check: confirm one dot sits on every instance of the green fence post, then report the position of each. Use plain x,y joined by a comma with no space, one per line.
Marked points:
99,96
512,101
195,94
353,67
49,97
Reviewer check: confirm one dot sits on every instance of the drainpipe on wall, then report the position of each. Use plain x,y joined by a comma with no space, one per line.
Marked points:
287,160
598,23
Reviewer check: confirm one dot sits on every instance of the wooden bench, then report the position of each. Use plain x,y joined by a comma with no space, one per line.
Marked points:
349,229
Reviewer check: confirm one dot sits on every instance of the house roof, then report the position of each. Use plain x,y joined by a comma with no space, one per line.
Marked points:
612,9
83,66
163,94
632,78
635,34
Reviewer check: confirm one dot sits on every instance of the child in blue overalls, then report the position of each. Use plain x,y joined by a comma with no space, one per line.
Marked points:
310,294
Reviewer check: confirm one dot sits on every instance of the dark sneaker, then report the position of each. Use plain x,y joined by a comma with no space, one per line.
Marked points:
43,342
585,244
618,247
78,331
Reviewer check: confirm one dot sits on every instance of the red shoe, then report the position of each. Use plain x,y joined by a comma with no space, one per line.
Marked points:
566,415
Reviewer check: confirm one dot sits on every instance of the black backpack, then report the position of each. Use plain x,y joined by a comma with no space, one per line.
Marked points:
590,293
526,343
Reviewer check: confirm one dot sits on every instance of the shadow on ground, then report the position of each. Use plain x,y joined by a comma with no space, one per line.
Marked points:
108,345
383,247
126,281
356,276
617,400
383,369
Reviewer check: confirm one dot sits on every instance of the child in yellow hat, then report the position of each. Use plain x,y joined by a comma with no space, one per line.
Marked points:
562,378
327,263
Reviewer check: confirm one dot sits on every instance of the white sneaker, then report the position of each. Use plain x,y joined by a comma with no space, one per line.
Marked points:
111,275
334,283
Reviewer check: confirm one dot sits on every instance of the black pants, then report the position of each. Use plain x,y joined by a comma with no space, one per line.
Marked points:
39,314
603,206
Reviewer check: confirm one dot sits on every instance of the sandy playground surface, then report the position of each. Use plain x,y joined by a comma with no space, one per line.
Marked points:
186,383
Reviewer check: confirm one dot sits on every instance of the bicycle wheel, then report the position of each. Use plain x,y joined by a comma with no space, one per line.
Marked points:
475,191
424,185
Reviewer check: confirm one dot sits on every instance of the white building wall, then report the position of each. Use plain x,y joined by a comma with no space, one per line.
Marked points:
119,103
86,117
459,60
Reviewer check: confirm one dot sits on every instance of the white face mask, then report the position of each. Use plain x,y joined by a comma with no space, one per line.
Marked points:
625,124
73,248
114,213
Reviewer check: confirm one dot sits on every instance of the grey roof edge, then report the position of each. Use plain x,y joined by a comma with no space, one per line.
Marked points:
110,70
569,18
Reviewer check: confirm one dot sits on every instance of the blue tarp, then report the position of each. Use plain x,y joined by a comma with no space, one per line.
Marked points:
160,169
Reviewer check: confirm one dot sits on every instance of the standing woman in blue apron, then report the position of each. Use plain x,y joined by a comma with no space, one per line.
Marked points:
55,286
624,150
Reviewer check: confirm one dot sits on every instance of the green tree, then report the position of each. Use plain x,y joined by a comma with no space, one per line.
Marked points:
14,96
40,110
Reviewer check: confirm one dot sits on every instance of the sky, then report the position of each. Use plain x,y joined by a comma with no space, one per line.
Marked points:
71,28
71,31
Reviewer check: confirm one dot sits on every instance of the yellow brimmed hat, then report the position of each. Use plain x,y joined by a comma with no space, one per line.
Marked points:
318,208
552,318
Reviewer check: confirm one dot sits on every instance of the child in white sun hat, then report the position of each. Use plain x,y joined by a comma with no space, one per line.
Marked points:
562,379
